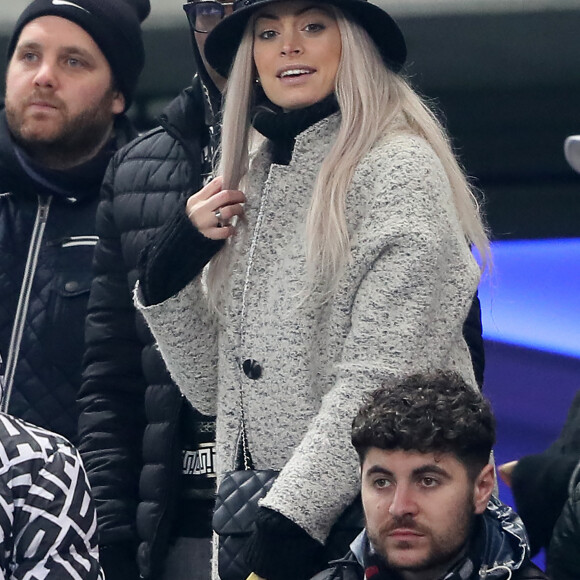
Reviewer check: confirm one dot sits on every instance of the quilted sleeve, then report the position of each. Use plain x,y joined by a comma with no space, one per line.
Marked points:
111,398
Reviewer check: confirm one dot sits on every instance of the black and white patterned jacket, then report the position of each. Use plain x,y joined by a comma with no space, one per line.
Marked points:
47,517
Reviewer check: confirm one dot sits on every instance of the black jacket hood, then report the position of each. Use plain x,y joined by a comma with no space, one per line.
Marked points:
502,541
181,119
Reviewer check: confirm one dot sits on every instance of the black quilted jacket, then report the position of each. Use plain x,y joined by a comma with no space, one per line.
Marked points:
46,251
128,403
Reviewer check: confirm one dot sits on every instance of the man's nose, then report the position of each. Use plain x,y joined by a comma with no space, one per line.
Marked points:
403,502
45,75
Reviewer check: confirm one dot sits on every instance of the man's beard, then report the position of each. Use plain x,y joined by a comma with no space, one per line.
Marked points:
75,140
444,548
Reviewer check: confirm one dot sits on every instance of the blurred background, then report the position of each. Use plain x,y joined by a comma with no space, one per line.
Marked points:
505,75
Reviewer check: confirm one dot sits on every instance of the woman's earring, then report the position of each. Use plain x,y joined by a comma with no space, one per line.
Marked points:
257,81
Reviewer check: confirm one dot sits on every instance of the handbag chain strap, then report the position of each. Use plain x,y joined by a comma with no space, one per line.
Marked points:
254,243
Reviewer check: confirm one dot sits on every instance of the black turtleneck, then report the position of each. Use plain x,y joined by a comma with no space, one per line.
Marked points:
281,127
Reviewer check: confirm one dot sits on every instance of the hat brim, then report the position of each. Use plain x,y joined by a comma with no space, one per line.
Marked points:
572,151
222,43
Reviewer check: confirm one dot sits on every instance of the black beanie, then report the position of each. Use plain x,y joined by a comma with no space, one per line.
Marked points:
115,25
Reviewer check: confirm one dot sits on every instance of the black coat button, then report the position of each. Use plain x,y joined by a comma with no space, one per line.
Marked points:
252,369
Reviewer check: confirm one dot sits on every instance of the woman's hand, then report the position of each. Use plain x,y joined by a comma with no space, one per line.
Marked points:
212,208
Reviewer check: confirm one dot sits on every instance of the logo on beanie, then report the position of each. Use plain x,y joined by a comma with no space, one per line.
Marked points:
65,3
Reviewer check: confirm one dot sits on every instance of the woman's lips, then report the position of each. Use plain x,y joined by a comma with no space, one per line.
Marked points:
291,73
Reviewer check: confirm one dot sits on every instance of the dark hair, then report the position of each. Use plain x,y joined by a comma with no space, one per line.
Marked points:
436,412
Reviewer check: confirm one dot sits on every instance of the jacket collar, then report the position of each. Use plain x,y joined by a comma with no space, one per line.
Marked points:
12,176
502,542
281,127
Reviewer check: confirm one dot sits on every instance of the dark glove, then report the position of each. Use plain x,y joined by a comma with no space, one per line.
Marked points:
119,561
279,549
173,257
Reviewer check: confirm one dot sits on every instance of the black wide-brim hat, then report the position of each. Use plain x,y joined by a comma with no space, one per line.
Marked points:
223,42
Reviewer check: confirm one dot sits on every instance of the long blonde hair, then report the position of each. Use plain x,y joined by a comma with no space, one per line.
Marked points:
372,100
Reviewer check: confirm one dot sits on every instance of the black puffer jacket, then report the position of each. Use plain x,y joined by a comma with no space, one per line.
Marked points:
128,402
47,241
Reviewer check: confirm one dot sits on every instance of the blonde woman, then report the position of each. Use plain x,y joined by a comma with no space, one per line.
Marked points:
338,233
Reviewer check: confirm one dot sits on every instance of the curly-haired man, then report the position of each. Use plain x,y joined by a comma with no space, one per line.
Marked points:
426,487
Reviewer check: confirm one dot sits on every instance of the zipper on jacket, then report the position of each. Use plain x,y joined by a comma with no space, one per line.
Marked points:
24,297
1,377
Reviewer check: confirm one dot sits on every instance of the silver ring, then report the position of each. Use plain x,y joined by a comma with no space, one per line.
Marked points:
220,219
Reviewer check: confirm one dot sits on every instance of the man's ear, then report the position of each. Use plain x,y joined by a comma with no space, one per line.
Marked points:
483,488
118,105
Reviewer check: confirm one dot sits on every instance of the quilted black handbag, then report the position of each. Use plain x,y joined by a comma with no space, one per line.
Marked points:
235,514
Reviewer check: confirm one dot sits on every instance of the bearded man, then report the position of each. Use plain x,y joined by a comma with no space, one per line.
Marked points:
72,71
426,489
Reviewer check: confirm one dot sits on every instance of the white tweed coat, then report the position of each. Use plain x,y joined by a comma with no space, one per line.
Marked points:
399,308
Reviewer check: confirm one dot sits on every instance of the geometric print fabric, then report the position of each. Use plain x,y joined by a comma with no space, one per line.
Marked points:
47,518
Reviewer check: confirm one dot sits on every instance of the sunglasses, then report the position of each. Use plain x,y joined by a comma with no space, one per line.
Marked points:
205,15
